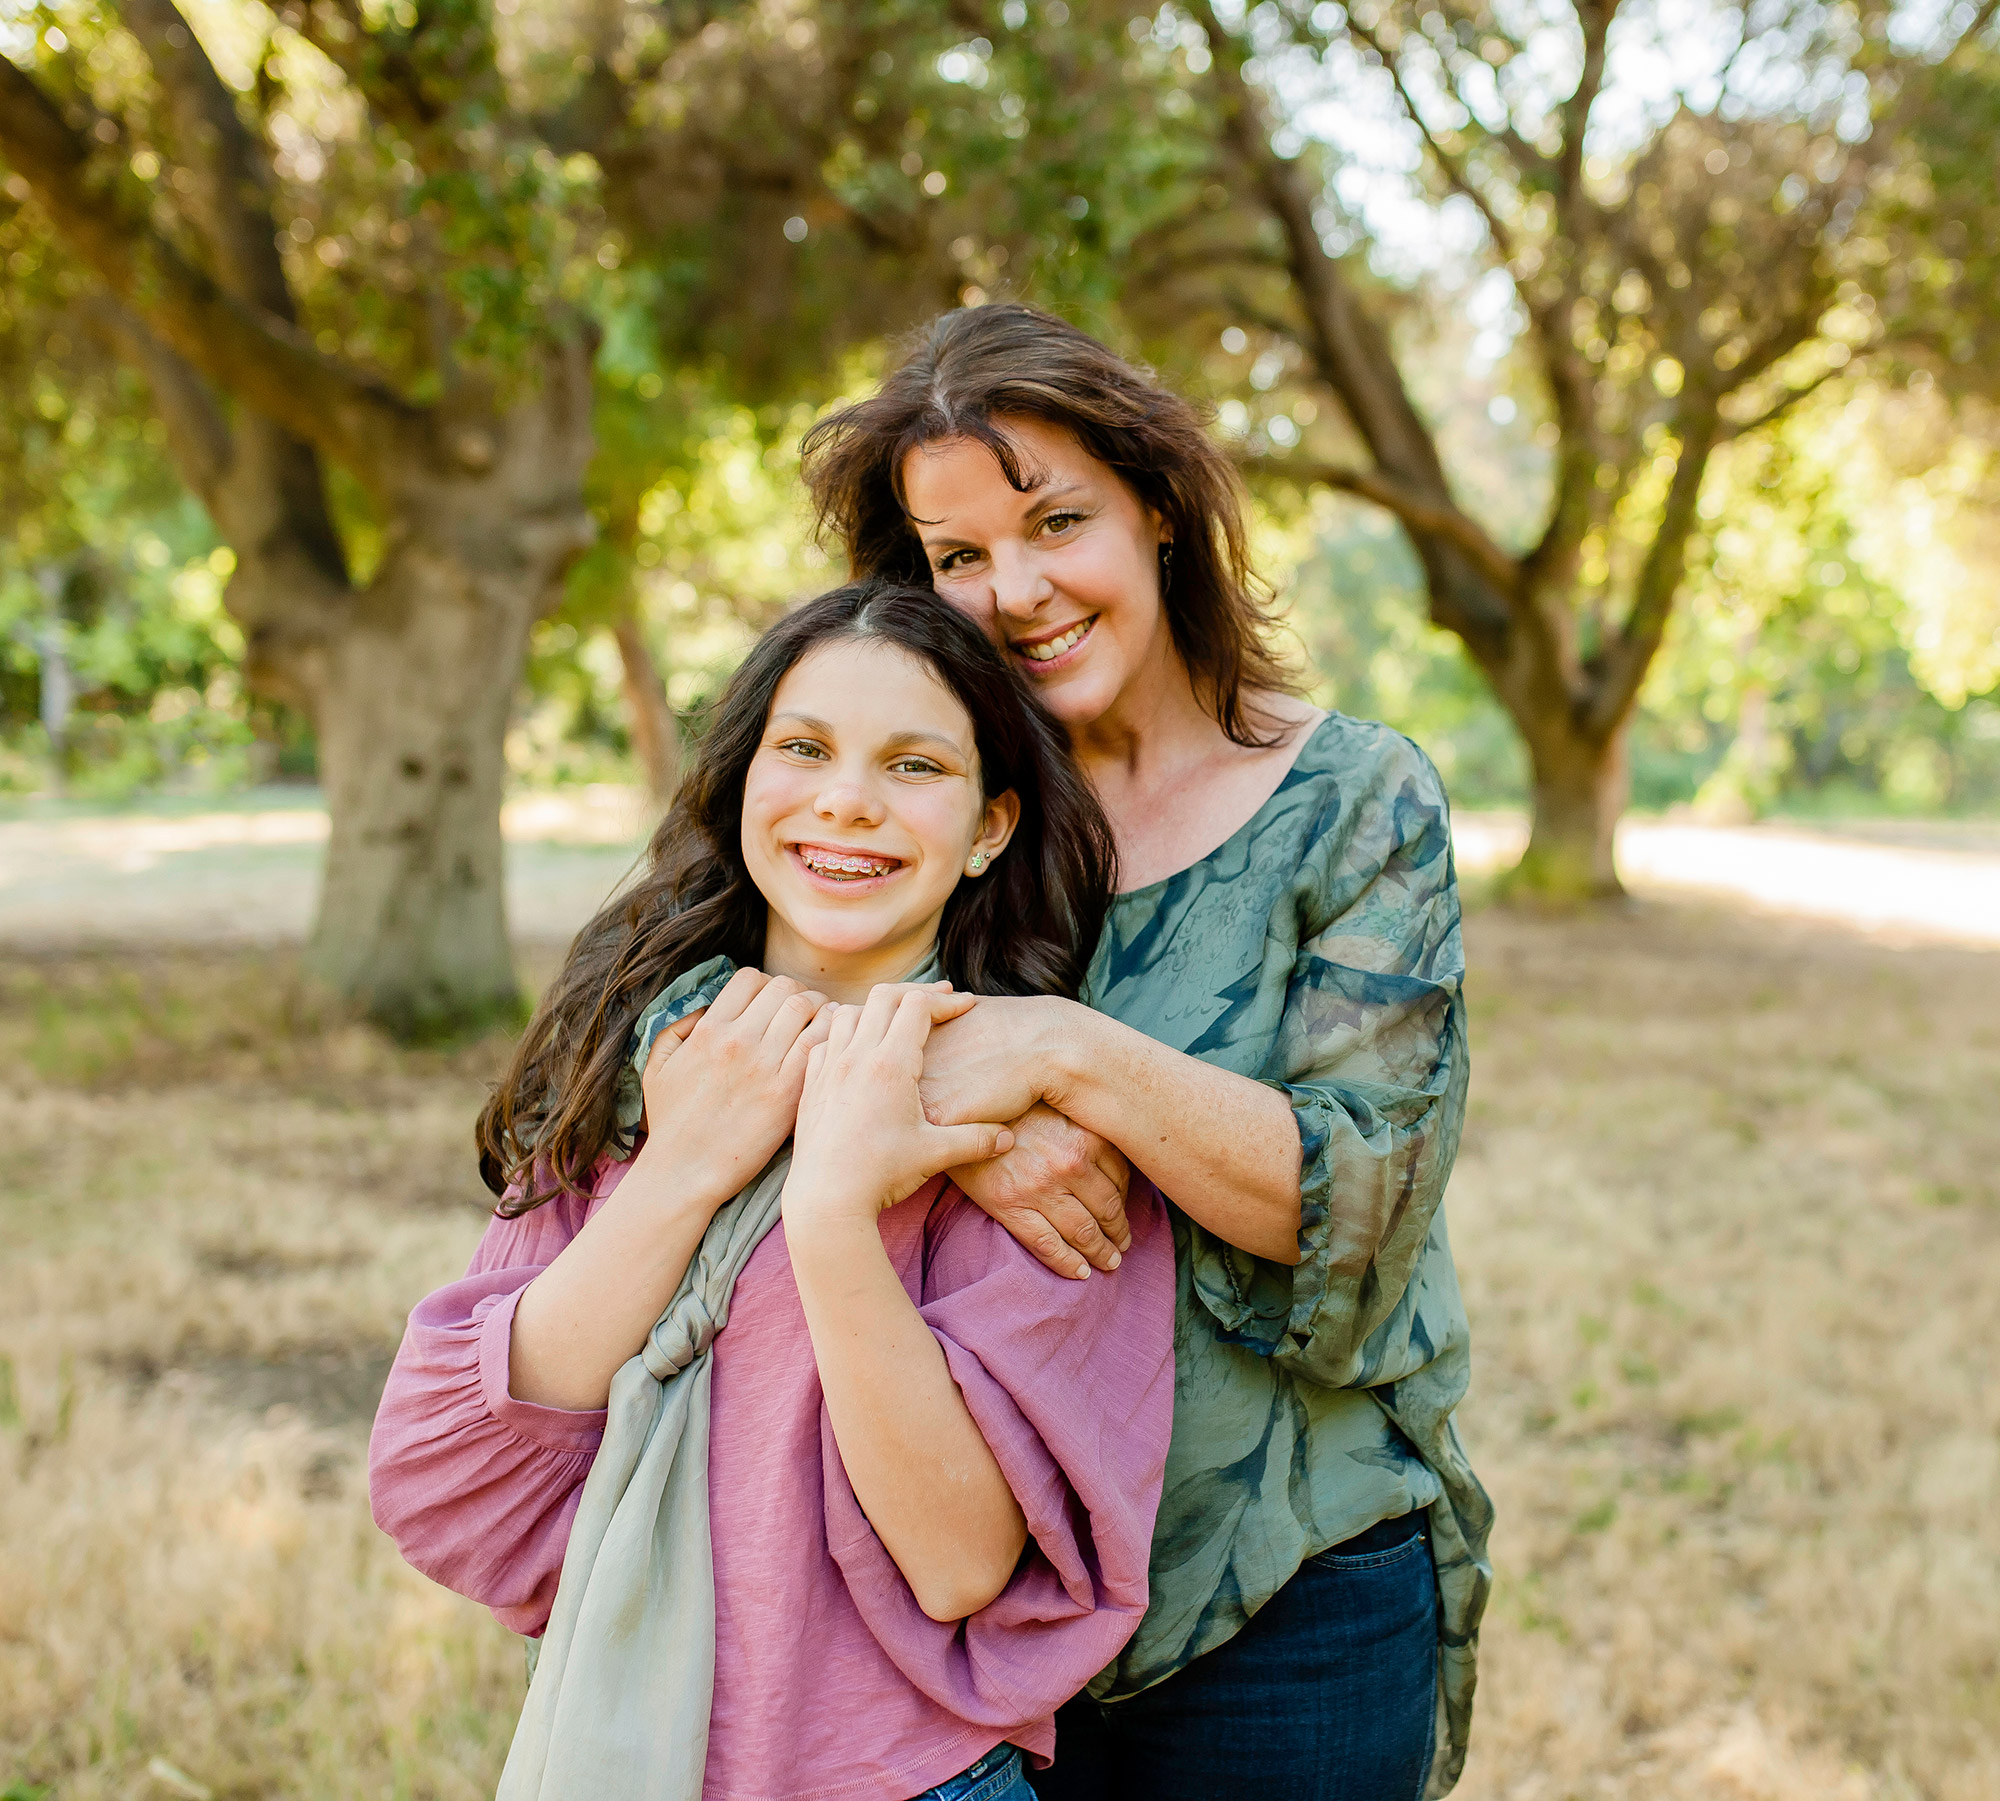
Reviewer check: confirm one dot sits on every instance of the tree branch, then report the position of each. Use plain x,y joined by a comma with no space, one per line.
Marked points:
261,359
1449,166
198,436
1594,16
234,191
1369,484
233,187
1621,670
1732,429
1352,357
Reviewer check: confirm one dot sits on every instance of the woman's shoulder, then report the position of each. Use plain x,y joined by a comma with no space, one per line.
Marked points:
1368,759
1357,792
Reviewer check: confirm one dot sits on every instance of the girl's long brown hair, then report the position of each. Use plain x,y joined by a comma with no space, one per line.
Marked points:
1027,927
964,376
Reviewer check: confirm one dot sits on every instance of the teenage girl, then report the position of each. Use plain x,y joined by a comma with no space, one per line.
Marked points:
932,1464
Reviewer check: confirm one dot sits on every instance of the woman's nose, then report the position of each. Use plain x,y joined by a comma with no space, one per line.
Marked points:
1020,589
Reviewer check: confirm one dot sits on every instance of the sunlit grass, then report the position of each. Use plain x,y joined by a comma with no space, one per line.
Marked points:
1728,1219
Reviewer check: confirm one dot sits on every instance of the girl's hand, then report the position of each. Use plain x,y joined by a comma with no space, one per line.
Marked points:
862,1142
737,1067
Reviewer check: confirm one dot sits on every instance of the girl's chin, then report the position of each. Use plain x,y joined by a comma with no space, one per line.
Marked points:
834,935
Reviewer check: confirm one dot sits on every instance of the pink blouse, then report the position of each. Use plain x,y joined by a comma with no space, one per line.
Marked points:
830,1681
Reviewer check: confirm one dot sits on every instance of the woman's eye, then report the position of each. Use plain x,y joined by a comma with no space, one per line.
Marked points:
802,747
915,766
952,560
1057,523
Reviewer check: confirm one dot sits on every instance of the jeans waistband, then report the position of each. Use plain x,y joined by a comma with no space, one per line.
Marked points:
1384,1535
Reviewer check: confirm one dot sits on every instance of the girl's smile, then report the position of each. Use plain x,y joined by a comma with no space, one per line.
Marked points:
845,868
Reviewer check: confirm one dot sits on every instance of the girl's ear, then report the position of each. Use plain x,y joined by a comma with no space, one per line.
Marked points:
996,826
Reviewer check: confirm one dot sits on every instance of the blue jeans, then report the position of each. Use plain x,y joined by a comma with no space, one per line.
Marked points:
1328,1694
998,1776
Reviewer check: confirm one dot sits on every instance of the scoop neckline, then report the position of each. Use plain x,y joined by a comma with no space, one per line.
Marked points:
1298,757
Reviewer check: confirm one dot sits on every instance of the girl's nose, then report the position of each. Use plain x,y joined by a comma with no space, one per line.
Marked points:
845,800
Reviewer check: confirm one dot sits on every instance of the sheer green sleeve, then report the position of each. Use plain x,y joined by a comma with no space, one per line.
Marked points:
1370,1049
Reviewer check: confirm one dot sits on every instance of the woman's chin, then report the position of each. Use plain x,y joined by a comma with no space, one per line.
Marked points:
1080,698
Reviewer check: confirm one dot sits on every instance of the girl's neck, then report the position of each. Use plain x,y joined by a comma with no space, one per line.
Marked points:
843,975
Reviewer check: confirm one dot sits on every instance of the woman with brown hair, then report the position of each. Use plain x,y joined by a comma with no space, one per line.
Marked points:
1271,1027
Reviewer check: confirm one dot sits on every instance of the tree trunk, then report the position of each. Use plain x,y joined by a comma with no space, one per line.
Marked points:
411,696
656,740
1581,785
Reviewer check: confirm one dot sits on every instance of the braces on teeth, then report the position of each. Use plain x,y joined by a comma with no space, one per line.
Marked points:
823,864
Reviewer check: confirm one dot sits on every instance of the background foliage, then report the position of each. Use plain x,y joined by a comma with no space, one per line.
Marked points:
1836,649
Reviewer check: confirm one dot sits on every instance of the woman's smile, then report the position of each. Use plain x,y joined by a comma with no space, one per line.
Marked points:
1055,647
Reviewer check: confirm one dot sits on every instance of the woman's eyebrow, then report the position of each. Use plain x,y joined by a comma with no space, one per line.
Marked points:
811,722
1042,499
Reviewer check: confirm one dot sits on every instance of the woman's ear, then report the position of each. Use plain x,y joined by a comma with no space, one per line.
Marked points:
996,826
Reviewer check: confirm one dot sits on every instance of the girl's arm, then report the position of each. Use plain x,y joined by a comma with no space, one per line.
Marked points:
925,1477
737,1070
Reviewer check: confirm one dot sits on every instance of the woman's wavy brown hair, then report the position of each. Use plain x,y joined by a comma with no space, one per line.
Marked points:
1027,927
964,376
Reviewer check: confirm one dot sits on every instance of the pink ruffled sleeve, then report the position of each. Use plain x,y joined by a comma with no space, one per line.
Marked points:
478,1489
1071,1384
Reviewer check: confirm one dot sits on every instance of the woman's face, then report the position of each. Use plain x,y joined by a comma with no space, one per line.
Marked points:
862,811
1065,578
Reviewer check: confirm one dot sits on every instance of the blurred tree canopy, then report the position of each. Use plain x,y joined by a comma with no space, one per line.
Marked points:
1612,381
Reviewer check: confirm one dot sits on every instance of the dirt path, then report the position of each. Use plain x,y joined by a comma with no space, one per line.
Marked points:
247,874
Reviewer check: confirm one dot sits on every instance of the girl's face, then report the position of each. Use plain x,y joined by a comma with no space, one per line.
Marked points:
1065,578
862,811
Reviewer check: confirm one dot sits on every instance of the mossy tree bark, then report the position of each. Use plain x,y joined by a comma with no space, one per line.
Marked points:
409,674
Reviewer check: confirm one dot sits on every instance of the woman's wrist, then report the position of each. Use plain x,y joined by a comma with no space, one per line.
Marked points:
1070,1048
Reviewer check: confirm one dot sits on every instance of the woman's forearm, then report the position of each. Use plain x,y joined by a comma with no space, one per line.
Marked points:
1223,1148
924,1475
588,1313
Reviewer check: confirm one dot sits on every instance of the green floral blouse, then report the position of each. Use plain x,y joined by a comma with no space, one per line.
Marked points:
1317,950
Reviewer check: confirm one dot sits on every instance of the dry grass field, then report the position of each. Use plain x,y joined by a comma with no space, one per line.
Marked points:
1728,1217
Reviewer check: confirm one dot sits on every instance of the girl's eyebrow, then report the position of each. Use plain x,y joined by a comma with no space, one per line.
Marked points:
903,740
895,741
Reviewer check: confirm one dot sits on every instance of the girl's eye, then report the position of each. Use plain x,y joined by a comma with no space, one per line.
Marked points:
803,747
915,766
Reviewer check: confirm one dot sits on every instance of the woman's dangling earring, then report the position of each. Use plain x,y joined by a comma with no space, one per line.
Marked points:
1166,564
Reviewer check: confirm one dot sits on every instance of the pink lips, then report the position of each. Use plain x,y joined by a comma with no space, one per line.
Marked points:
835,866
1063,658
